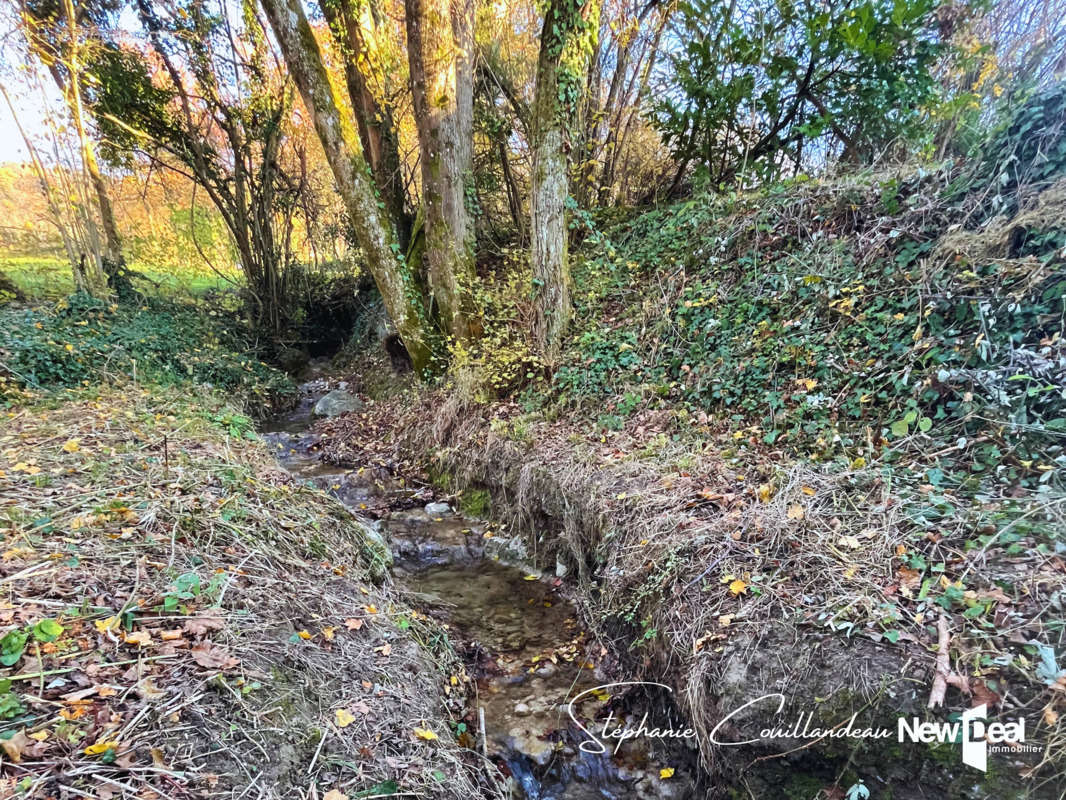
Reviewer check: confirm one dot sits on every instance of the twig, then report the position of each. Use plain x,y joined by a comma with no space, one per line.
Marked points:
944,674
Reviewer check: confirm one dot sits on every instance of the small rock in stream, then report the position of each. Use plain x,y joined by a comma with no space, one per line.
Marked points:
337,402
436,509
522,710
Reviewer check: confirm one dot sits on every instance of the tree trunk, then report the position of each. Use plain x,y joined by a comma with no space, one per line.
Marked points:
565,43
440,43
336,131
377,132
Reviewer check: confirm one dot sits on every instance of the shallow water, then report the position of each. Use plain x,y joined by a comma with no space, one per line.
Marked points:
526,648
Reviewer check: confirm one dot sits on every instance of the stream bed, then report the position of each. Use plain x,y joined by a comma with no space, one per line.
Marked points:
536,670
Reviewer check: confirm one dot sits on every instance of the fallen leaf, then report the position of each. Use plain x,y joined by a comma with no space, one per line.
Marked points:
795,511
353,624
100,748
14,746
334,794
737,586
72,446
666,772
327,633
764,492
105,625
305,635
140,638
426,734
203,622
208,655
344,718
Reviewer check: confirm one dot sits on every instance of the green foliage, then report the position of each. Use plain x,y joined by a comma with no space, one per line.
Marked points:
82,340
772,313
502,360
758,83
1028,149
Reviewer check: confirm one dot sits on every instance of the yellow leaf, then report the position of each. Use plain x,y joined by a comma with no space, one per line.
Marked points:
371,609
426,734
334,794
327,633
303,635
858,463
795,511
72,446
666,772
737,586
344,718
40,736
100,748
807,490
763,492
105,625
725,620
531,578
22,466
139,638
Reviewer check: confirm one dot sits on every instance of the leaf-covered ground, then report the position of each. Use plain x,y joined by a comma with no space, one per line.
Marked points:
179,618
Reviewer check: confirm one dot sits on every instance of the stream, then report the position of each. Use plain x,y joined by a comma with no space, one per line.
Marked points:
520,636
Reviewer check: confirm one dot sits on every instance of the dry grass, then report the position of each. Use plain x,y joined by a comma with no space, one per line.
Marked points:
233,690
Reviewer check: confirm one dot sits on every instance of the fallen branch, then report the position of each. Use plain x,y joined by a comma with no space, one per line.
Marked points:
945,676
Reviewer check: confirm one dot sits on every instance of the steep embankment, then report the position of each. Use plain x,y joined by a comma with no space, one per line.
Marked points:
179,616
807,441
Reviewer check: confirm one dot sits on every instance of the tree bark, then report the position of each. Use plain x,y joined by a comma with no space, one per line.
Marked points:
565,43
377,131
440,44
336,131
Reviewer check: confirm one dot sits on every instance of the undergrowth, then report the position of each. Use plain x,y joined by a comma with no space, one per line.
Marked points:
81,340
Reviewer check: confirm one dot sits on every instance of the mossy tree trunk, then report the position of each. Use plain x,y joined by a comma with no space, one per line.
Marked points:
353,23
337,133
570,27
440,44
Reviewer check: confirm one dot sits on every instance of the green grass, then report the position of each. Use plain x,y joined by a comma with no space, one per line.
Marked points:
48,277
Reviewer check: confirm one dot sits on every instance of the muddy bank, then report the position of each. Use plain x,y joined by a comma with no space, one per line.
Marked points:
727,587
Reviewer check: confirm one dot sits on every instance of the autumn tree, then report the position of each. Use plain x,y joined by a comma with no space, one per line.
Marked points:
336,129
566,39
62,36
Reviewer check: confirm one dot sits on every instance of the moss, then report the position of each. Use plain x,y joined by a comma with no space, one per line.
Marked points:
475,503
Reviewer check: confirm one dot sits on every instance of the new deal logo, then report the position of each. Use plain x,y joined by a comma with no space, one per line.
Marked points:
977,736
973,730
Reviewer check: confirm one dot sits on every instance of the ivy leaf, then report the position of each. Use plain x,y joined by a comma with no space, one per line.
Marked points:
47,630
11,647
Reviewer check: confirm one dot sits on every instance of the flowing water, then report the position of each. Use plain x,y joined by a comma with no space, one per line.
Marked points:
521,636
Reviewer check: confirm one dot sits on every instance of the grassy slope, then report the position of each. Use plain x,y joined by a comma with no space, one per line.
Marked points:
178,613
